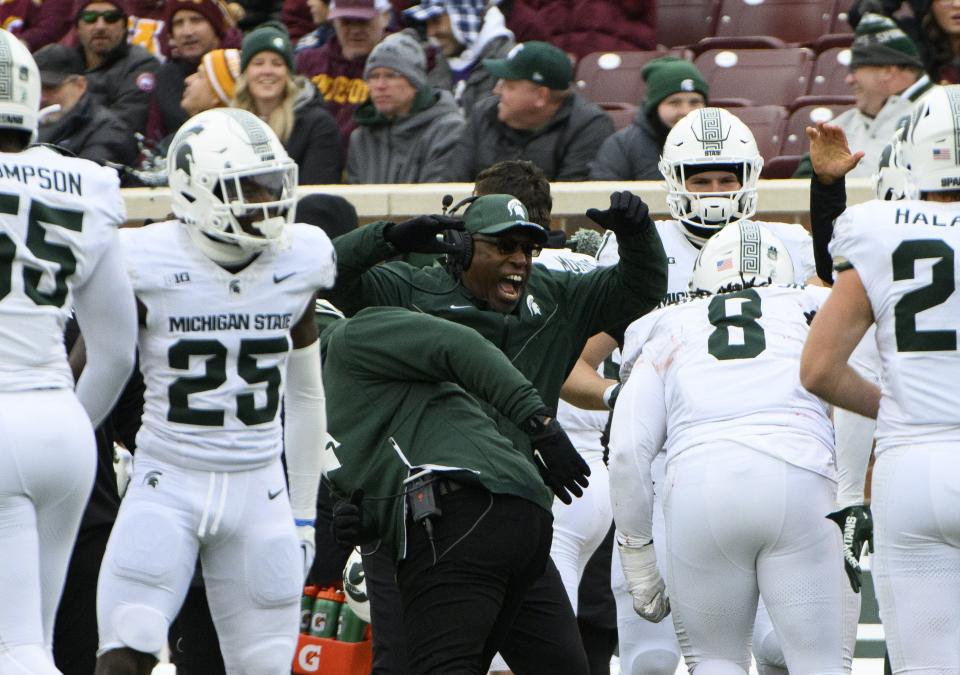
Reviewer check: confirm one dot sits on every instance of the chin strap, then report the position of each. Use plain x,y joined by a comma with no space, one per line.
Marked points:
219,252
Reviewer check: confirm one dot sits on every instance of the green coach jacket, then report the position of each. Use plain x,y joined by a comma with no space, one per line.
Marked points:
544,335
407,387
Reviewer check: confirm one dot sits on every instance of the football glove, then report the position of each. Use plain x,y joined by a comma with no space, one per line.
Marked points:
123,468
627,215
560,465
856,524
644,582
307,537
348,525
419,235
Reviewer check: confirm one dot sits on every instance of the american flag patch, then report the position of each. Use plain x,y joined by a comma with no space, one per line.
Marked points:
725,264
941,153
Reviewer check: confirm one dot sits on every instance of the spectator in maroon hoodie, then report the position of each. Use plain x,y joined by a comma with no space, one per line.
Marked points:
195,28
37,23
336,68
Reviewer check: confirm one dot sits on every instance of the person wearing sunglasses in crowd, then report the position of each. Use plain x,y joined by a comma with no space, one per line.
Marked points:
120,76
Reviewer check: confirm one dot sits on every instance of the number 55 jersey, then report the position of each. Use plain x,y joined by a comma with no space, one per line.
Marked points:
214,346
905,254
730,364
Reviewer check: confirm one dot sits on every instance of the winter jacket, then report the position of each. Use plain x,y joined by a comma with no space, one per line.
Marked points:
562,148
37,23
92,132
584,26
339,80
417,394
315,142
632,153
412,149
544,335
165,114
465,75
123,83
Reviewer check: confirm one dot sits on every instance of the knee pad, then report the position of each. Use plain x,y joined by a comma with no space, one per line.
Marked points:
26,660
717,667
654,662
140,628
275,571
768,654
267,657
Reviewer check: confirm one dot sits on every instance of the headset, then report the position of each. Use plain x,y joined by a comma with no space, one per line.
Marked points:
461,242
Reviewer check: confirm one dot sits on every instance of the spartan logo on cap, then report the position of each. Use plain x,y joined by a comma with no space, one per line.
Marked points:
516,209
278,42
686,85
513,52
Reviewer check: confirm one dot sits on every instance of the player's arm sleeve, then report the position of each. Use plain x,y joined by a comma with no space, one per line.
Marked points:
304,429
637,433
428,349
608,299
827,202
107,314
359,282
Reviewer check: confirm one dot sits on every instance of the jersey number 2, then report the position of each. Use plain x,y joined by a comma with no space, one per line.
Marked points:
215,374
941,287
751,340
40,214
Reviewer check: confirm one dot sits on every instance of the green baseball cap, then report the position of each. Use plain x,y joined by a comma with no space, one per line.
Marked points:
538,62
496,214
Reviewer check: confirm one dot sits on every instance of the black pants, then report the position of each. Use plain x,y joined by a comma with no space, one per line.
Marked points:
483,577
75,638
597,613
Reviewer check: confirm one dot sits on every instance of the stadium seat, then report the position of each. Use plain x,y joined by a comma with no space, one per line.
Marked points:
830,73
794,21
764,76
830,40
684,22
840,23
614,77
739,42
622,114
782,166
806,115
767,123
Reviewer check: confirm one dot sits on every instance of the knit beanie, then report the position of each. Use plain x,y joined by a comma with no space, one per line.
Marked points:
80,5
222,68
402,53
669,75
879,41
214,11
268,37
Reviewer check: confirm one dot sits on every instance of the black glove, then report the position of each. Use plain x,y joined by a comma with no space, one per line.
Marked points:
561,466
856,524
419,235
627,215
348,520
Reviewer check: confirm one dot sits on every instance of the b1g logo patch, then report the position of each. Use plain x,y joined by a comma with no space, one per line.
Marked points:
146,82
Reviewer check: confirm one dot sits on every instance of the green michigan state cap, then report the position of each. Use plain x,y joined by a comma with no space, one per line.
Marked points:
496,214
538,62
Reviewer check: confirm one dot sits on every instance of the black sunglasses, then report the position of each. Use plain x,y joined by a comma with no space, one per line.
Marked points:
110,16
510,246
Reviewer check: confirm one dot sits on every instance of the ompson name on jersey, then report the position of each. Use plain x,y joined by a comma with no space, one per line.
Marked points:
69,182
232,321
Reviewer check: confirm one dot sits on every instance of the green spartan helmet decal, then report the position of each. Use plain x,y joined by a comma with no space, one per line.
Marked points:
185,152
711,132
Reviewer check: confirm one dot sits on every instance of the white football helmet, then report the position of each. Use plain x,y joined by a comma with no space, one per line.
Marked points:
714,138
231,178
890,183
740,256
931,142
19,86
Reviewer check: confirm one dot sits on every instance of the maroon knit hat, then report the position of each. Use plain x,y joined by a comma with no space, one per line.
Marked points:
80,5
214,11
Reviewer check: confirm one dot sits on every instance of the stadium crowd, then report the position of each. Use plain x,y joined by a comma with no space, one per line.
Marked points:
570,349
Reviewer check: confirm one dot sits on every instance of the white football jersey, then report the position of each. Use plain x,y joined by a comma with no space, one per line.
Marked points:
905,255
57,216
730,365
214,349
682,254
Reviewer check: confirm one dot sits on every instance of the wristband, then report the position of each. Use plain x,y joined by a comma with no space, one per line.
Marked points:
301,522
